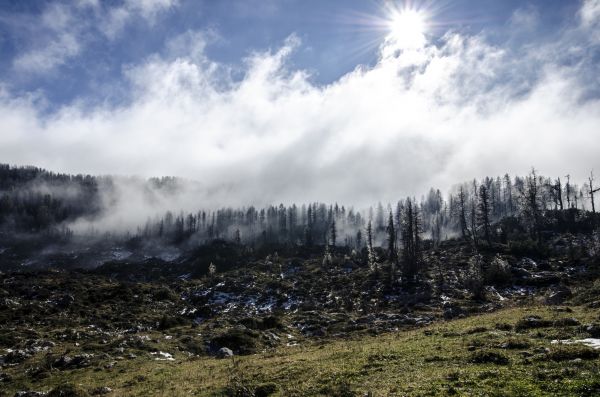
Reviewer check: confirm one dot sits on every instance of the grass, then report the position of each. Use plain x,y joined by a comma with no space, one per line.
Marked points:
471,357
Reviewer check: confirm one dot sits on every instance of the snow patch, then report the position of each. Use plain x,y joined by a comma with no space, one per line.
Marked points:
163,356
594,343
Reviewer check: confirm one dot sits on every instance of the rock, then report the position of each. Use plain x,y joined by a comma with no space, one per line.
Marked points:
521,273
16,356
224,352
62,362
37,345
532,322
29,393
67,362
593,330
81,360
544,278
451,312
558,295
527,263
101,391
541,350
567,322
514,344
36,373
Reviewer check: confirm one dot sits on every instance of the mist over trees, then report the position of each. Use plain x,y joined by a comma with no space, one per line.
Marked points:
35,200
484,212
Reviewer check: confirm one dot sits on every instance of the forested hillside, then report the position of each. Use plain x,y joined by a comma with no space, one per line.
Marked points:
518,210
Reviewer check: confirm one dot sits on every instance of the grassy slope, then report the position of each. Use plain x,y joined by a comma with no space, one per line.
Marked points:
430,361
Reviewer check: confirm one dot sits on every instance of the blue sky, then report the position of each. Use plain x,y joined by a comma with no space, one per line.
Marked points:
336,35
265,101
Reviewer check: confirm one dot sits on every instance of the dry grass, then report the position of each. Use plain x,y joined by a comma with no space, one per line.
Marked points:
433,361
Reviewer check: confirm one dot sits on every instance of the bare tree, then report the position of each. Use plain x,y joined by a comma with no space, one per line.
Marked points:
556,190
462,213
592,191
568,191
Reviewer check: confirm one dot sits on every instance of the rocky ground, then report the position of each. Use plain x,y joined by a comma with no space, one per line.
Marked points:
57,322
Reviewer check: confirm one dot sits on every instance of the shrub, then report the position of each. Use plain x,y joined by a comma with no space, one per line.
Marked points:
503,327
265,390
192,345
527,247
514,343
339,389
164,294
167,322
571,352
269,322
475,330
240,341
487,357
473,280
498,272
531,322
67,390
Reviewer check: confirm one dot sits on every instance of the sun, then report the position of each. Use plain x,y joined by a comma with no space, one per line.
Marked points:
408,28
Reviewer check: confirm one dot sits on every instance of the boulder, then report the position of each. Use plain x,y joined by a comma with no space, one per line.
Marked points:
558,295
527,263
224,352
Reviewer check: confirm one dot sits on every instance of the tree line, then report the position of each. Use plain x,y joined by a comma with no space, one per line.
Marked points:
484,212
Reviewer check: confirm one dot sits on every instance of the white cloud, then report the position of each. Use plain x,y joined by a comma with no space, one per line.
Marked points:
590,12
460,109
590,18
115,19
57,39
55,53
62,31
526,18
